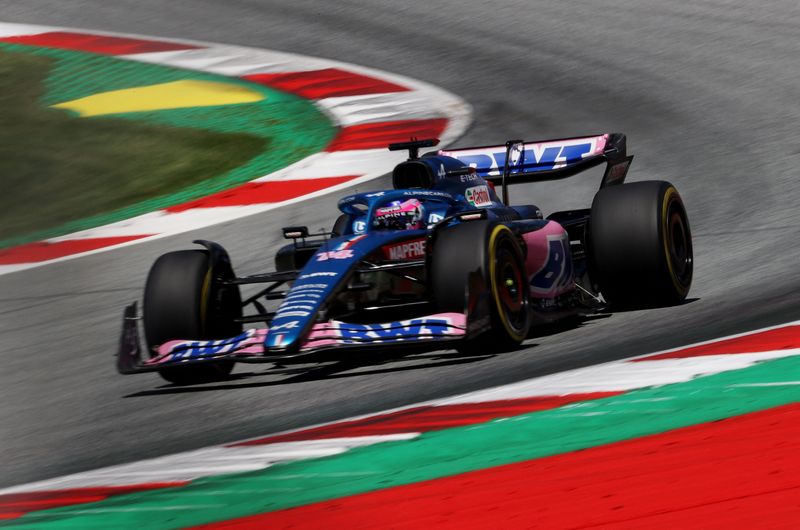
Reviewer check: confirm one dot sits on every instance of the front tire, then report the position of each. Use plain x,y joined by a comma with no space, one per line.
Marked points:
341,225
491,250
641,245
182,301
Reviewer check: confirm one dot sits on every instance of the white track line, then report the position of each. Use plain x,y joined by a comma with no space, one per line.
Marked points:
620,375
215,460
421,101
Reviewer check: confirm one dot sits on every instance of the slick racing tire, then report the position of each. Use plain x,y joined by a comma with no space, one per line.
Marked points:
491,250
182,302
341,225
641,245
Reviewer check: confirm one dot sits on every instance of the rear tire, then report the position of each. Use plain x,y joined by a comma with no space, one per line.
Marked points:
493,252
181,301
641,245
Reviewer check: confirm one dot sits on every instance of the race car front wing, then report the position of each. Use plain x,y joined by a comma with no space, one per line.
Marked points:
248,347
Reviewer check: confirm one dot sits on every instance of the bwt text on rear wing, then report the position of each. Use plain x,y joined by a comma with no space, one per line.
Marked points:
548,159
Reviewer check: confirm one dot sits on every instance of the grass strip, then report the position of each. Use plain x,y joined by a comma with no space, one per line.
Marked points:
63,173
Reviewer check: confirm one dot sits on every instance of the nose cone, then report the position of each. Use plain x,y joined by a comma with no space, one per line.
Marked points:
281,339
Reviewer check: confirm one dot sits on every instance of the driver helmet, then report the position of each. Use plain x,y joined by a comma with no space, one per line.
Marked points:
399,215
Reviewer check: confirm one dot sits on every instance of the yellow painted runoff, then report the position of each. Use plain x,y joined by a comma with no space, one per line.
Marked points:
173,95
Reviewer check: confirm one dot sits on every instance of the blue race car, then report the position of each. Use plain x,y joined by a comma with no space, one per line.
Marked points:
442,260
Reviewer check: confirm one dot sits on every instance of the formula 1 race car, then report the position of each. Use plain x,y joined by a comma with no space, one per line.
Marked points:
442,260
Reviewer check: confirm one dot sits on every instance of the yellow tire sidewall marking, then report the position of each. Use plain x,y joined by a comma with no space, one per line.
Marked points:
496,231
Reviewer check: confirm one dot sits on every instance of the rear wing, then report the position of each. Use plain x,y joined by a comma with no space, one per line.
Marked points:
548,159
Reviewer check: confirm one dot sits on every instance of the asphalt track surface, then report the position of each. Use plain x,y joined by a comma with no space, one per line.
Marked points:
707,94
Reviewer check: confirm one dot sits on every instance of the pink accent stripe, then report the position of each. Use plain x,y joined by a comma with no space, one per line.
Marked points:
429,418
326,83
262,193
379,135
775,339
102,44
43,251
14,505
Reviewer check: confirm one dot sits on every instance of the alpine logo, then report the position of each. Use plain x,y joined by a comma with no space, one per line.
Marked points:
435,218
405,251
478,196
289,325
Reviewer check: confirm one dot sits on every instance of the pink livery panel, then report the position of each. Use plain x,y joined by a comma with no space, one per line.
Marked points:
549,261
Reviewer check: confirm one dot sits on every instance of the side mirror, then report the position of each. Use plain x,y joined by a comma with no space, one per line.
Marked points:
295,232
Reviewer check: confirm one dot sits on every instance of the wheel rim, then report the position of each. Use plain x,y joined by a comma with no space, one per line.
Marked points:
508,281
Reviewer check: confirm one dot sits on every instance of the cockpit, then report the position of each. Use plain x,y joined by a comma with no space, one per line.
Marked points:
400,215
408,209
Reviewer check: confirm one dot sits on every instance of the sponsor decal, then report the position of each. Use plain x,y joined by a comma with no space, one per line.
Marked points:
301,298
293,305
427,193
539,156
309,287
301,302
360,226
435,218
334,254
478,196
406,250
416,328
376,194
292,314
187,350
299,291
316,274
295,298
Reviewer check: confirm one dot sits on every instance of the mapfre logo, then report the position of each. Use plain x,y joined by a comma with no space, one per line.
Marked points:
404,251
478,196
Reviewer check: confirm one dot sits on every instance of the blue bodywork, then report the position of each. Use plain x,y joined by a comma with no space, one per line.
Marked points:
331,264
448,186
